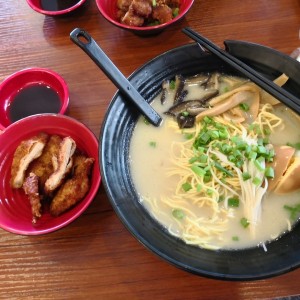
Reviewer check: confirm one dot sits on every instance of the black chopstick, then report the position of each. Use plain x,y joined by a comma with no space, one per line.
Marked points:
269,86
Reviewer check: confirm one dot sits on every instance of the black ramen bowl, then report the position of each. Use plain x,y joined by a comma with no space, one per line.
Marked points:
282,255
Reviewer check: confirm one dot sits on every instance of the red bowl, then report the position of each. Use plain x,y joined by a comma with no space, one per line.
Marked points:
15,210
27,77
36,5
108,8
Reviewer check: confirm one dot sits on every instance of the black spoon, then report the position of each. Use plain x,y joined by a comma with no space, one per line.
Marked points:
82,39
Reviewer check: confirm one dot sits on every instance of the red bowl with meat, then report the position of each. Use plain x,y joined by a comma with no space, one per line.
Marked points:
64,139
144,17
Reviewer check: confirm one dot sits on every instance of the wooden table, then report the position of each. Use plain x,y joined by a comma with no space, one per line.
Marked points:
95,257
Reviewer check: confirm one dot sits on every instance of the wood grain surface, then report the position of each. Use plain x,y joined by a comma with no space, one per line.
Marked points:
95,257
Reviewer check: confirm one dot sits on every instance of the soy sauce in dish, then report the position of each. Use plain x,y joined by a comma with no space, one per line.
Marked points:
33,99
55,5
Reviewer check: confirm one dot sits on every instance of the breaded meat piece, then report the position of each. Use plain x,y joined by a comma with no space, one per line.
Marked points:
124,4
162,13
132,19
75,188
31,189
43,166
142,8
62,165
26,152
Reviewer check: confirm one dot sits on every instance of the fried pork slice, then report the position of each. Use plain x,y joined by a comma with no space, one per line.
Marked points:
142,8
31,189
75,188
62,165
45,165
162,13
26,152
124,4
132,19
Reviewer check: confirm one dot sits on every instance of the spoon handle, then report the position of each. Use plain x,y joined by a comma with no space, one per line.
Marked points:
82,39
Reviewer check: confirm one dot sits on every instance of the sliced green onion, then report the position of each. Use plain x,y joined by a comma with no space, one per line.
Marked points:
152,144
234,202
244,106
294,211
178,214
203,158
175,12
244,222
199,187
214,134
198,170
262,150
269,172
207,178
221,198
186,186
209,192
207,120
252,155
246,176
146,121
256,181
204,138
235,238
258,164
188,136
172,85
226,149
222,169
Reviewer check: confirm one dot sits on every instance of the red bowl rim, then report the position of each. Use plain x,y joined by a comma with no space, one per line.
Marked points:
54,13
147,28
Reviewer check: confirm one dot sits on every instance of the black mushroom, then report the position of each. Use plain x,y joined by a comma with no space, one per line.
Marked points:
185,109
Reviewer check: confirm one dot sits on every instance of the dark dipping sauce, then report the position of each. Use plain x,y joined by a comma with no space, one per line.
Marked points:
34,99
55,5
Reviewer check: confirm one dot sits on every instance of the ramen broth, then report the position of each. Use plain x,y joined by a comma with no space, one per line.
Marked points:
150,152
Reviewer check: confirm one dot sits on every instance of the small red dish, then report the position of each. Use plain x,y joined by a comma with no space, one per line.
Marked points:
28,78
15,209
69,6
108,8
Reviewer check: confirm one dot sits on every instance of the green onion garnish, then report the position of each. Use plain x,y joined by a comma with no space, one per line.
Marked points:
175,12
269,172
172,85
246,176
178,214
234,202
199,187
294,211
186,186
256,181
244,222
222,169
244,107
198,170
152,144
